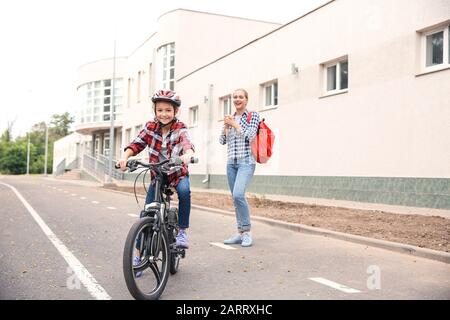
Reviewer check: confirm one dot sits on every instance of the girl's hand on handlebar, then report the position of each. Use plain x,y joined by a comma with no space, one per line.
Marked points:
122,164
186,158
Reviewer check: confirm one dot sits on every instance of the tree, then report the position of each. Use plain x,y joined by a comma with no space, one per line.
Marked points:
13,154
60,125
7,134
13,157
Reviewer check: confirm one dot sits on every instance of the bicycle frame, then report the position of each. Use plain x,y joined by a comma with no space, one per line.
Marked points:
157,245
160,222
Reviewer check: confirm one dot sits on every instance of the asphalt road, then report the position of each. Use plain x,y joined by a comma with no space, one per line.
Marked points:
86,227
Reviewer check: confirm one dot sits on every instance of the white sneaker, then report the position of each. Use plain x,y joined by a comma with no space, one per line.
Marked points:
246,239
236,239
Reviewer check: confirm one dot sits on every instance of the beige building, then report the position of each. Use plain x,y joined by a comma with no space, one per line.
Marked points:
355,91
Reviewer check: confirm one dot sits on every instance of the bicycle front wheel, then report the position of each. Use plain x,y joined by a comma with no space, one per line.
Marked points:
146,259
174,255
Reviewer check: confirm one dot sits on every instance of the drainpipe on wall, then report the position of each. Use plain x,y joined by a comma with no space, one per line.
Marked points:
209,101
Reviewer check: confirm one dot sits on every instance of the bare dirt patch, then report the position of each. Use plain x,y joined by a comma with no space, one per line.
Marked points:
432,232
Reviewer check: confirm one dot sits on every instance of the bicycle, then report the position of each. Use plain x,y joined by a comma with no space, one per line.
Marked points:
152,239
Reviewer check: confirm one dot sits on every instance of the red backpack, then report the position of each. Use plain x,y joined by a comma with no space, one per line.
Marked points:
262,144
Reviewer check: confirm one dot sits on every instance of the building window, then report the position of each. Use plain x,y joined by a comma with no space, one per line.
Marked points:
336,76
118,97
95,100
96,145
128,135
106,146
193,116
138,87
129,93
270,94
225,103
150,90
167,62
436,48
137,129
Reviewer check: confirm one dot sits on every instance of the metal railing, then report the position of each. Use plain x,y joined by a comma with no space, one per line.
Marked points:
99,167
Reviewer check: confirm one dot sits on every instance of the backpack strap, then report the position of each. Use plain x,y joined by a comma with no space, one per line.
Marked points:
249,117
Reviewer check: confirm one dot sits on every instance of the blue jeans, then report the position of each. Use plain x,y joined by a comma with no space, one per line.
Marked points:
184,201
239,175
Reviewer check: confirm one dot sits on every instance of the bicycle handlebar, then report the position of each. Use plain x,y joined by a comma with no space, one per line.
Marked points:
173,162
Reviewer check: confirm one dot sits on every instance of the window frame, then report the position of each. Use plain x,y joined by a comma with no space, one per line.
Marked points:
105,150
128,135
95,96
193,120
224,99
137,129
274,99
325,67
96,145
138,87
150,80
167,51
445,28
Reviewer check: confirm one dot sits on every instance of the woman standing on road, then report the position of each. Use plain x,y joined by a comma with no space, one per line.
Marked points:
237,133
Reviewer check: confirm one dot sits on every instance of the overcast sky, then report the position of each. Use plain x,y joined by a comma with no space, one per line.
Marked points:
44,42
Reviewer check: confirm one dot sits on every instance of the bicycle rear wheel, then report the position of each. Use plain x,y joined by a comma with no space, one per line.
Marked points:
146,259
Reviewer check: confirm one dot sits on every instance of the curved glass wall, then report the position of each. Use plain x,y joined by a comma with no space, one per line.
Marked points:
95,101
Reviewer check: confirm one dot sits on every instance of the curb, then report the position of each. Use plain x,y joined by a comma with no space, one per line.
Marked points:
383,244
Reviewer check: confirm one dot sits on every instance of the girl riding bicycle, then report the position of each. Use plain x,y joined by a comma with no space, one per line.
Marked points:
167,137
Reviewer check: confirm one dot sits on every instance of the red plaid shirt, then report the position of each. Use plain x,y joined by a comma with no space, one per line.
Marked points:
178,142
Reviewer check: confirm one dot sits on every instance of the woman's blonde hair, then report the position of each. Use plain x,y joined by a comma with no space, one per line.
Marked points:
244,91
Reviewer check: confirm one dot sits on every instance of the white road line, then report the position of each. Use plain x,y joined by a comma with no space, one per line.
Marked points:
334,285
73,194
111,208
82,198
133,215
81,272
66,191
95,202
221,245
